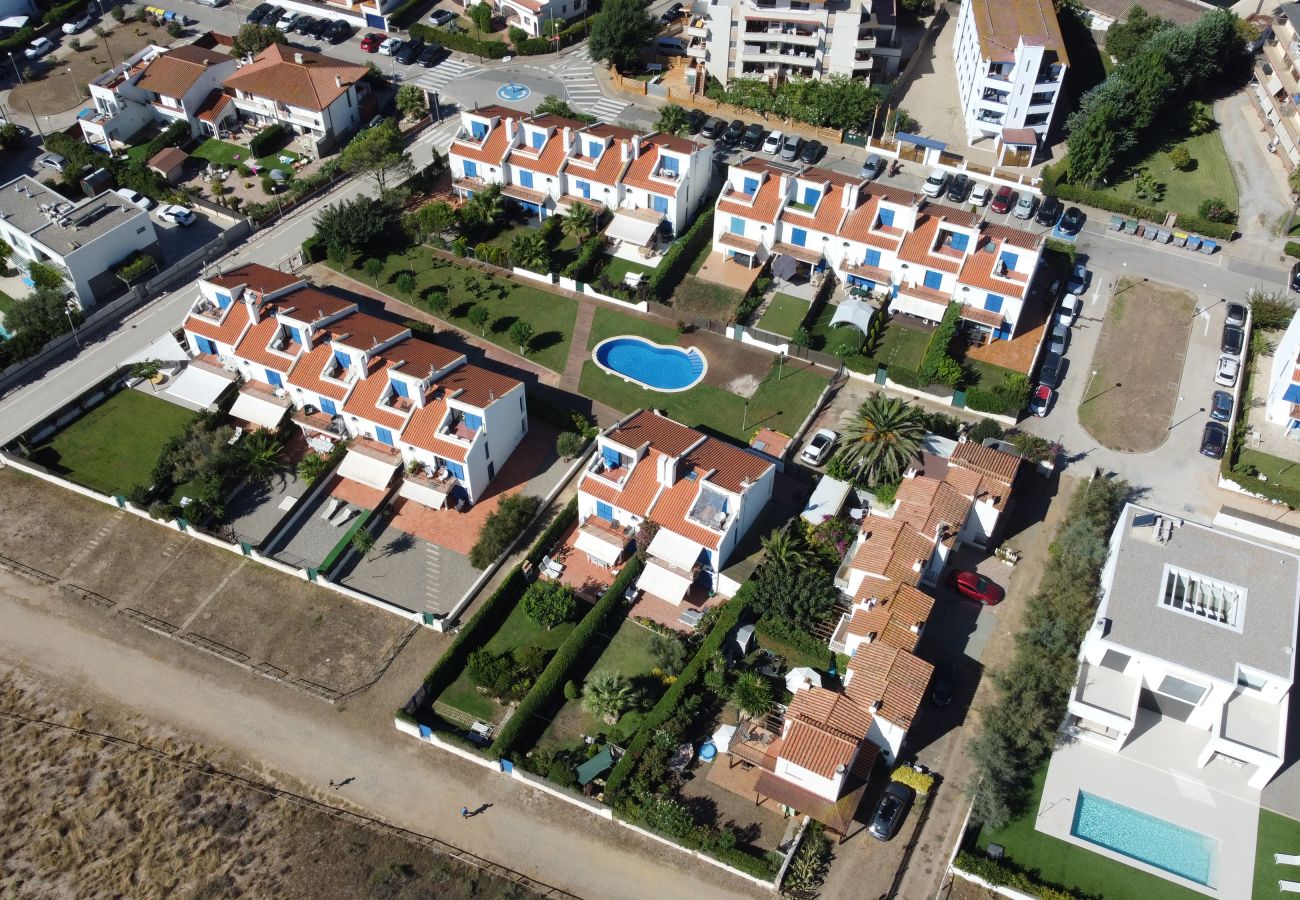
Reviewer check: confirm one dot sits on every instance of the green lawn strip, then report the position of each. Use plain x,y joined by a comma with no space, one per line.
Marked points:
990,376
226,154
550,314
1070,866
609,323
114,447
1277,834
794,656
1210,175
902,346
1285,472
700,257
617,267
780,405
463,695
784,314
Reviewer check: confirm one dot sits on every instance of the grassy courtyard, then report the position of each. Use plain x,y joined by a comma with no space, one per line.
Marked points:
114,447
551,315
617,268
1277,834
784,314
1085,872
1210,174
223,153
608,323
1284,472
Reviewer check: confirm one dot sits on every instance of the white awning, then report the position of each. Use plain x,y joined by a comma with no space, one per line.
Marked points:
636,229
252,408
367,470
662,583
14,22
856,312
605,553
165,349
827,500
197,388
801,677
671,547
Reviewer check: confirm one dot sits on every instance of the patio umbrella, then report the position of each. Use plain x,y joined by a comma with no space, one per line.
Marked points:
278,175
784,267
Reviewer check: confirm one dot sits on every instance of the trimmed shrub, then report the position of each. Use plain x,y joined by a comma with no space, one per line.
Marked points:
533,46
313,249
938,365
1292,249
65,12
981,400
501,527
584,266
666,276
266,140
462,42
908,378
1005,872
405,14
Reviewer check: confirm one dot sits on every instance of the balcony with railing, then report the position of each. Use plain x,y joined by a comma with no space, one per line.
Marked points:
458,428
998,97
1000,71
988,117
614,469
1050,75
781,52
697,28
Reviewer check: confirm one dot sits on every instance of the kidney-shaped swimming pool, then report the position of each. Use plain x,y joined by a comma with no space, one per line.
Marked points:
650,365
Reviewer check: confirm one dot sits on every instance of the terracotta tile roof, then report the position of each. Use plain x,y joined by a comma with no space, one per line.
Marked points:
837,815
964,481
916,246
175,72
212,105
422,431
896,610
550,120
988,461
676,144
894,195
547,162
168,158
607,169
977,272
738,241
496,111
671,508
470,384
638,492
1027,240
362,331
981,316
638,174
859,224
928,503
765,206
364,399
817,749
1001,25
256,276
830,709
255,345
826,218
313,84
309,304
665,435
227,331
617,132
877,547
892,677
492,150
307,371
910,549
963,218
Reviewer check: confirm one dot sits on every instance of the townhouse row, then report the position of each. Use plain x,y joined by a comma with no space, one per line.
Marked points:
344,374
921,254
651,184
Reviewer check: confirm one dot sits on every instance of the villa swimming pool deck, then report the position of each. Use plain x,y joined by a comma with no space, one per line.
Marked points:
1156,774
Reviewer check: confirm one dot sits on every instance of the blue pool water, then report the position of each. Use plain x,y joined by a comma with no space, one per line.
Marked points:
653,365
1145,838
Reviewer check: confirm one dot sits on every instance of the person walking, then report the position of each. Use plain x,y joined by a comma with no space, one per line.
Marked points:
464,812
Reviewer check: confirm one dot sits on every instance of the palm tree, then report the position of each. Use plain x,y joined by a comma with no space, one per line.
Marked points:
485,207
529,250
580,222
753,694
261,457
884,435
608,695
783,549
673,120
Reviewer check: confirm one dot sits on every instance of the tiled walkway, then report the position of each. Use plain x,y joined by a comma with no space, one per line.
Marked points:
578,352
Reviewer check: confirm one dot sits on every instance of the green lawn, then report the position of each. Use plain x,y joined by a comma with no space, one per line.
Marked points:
551,315
990,376
781,405
608,323
1277,834
114,447
617,267
897,345
697,297
218,151
1210,174
784,314
700,257
1284,472
563,251
1073,867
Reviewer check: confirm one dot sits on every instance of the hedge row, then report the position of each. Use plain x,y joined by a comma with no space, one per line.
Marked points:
462,42
495,610
582,267
1065,191
908,378
64,12
938,352
686,681
313,249
173,135
664,279
1292,249
407,13
982,400
551,682
18,40
1005,873
266,140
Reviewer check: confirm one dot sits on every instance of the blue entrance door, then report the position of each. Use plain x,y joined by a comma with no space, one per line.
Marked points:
205,345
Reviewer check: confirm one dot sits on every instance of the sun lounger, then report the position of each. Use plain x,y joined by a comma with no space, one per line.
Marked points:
552,567
239,432
1291,887
331,508
1286,859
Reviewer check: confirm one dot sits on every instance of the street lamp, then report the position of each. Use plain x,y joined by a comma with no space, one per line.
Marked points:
17,71
68,307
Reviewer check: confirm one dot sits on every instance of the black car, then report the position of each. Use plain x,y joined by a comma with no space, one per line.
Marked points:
891,810
1233,339
733,132
273,15
304,24
1071,221
1295,277
811,152
1214,440
668,17
409,52
321,27
713,128
1049,212
695,120
1221,406
1050,373
752,139
430,56
959,188
338,32
256,15
941,684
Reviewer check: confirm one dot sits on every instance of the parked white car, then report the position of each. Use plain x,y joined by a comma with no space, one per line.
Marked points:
135,199
177,215
1229,369
981,195
772,143
936,184
38,48
1069,311
389,47
816,451
76,26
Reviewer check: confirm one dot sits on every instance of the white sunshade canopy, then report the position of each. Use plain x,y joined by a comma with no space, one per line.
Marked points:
633,229
827,500
797,678
14,22
254,409
663,583
671,547
197,387
856,312
602,551
367,470
722,737
165,349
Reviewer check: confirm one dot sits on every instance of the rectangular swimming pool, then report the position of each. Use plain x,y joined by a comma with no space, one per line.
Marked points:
1143,837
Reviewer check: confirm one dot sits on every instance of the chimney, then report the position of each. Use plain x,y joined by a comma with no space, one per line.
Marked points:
338,81
636,146
875,707
785,186
510,130
298,58
851,194
916,629
625,150
841,769
667,470
253,300
568,139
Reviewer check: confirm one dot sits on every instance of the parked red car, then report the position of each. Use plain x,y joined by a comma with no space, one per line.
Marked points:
974,586
370,43
1003,200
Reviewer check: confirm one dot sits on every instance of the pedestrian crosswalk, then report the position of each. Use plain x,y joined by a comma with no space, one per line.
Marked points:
583,90
444,73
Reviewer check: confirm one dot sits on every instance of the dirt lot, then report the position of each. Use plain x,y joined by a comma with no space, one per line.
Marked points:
92,818
1139,361
305,631
55,90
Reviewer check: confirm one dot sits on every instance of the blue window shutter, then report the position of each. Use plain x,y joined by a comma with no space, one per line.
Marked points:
669,163
993,303
1009,259
737,225
750,186
327,406
525,179
473,421
385,436
798,236
1292,394
886,216
539,138
933,279
959,241
659,204
873,258
471,169
604,510
811,195
611,457
205,345
478,129
594,149
584,188
223,300
295,334
273,378
399,387
342,358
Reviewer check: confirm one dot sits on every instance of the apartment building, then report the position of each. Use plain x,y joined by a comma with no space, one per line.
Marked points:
1277,84
782,39
84,240
342,374
652,185
1282,404
922,254
1011,64
159,86
1196,625
702,492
